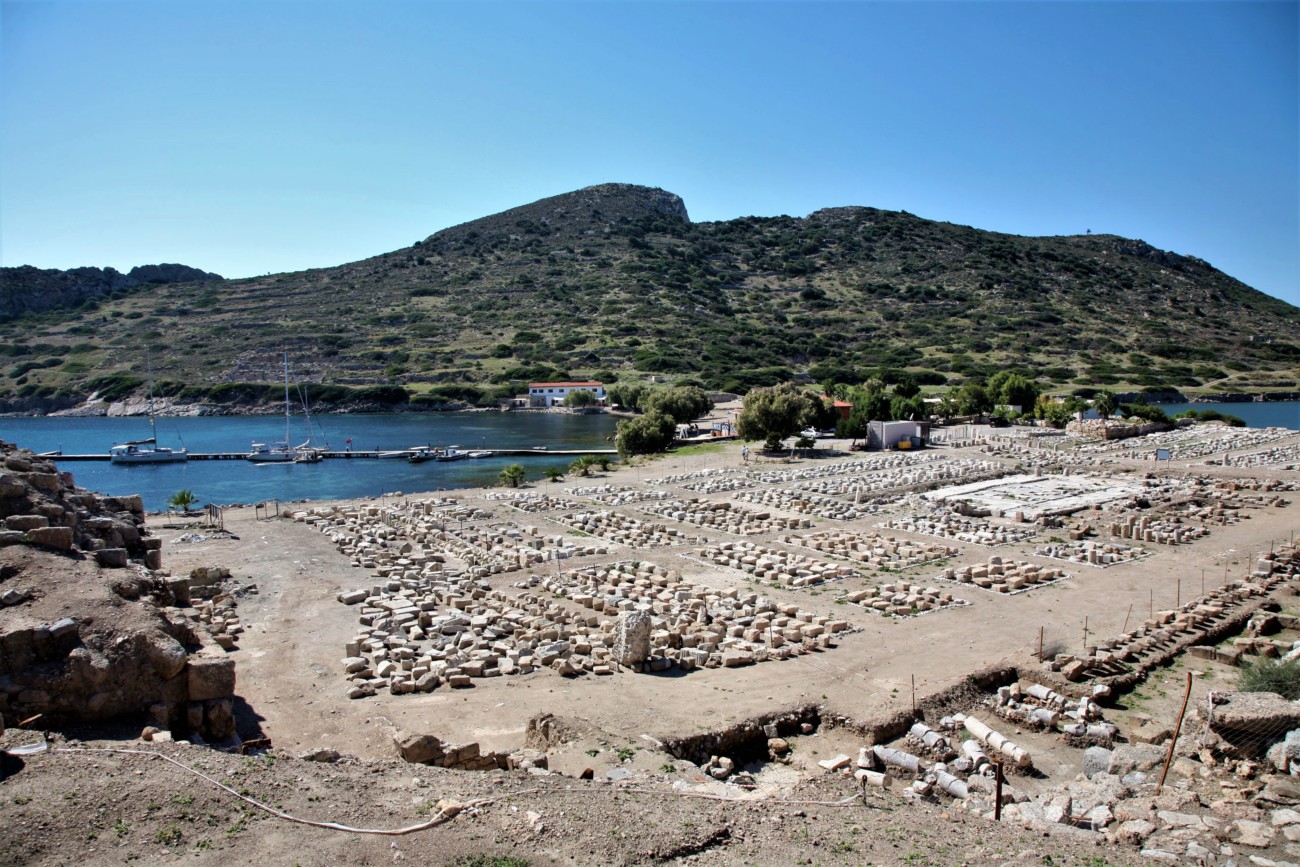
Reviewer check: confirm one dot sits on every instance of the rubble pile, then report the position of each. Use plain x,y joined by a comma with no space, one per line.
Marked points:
806,503
41,506
726,517
526,502
1099,554
623,530
1007,577
772,565
903,599
1162,531
696,626
105,636
885,485
872,549
619,495
949,525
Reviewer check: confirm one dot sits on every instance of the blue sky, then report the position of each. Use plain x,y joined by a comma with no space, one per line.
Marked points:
246,138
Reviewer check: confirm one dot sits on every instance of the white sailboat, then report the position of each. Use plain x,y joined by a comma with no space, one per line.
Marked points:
308,452
147,451
282,451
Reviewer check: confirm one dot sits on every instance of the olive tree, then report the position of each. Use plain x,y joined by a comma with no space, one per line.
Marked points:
580,397
647,434
682,403
781,410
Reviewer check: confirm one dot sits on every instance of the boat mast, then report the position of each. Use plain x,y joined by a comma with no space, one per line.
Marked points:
287,440
148,364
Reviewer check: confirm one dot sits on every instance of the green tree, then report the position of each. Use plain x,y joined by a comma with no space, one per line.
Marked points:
581,397
906,386
973,399
907,408
513,475
682,403
627,394
183,500
780,409
1012,388
554,474
647,434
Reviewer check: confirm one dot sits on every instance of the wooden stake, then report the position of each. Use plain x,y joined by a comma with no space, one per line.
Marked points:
1178,594
1169,757
1040,644
1085,634
1127,616
914,695
1152,603
997,790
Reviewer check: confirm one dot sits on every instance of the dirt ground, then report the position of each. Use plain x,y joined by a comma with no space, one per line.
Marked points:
111,807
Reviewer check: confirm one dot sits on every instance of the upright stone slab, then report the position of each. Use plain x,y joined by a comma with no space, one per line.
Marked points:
632,640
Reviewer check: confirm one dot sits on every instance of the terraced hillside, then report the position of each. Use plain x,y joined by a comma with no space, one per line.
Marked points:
616,281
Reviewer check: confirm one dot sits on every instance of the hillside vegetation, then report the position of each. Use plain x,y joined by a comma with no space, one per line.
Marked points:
614,281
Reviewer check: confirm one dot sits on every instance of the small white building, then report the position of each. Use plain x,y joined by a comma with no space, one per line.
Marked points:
547,394
891,434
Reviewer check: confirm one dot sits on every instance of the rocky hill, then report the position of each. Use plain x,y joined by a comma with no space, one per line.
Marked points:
27,289
616,281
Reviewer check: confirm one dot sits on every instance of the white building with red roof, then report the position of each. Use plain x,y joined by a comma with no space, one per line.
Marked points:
553,393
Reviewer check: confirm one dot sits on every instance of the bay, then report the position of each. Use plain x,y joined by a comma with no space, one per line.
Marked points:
1277,413
238,481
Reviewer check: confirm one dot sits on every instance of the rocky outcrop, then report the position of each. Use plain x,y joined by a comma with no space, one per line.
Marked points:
41,506
26,289
603,205
89,629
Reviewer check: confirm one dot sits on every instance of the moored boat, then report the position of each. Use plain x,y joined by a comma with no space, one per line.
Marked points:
147,451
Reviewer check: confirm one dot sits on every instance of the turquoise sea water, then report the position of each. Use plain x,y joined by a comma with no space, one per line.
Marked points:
243,482
1270,414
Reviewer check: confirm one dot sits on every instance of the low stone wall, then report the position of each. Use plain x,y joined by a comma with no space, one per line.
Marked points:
432,750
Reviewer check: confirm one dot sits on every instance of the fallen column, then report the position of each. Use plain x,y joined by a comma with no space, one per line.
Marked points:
975,753
1044,694
898,759
931,738
998,742
872,778
949,783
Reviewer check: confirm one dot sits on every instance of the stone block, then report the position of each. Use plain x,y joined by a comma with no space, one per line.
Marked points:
210,677
1259,713
1096,760
219,719
26,522
168,657
1135,757
112,558
418,748
48,482
58,538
